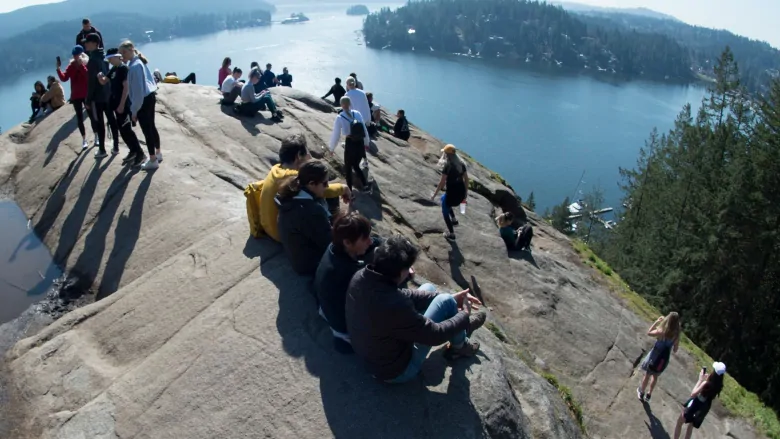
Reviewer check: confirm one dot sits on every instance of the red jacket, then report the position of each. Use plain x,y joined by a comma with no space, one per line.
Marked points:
77,73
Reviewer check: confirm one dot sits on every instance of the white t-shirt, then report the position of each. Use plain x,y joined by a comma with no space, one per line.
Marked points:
228,84
360,103
374,108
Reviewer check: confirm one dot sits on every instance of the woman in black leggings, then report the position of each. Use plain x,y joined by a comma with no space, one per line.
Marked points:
76,73
143,98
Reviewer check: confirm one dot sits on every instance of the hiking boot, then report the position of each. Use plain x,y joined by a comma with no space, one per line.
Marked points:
639,394
476,320
128,158
449,236
469,349
150,165
158,154
647,397
100,154
139,160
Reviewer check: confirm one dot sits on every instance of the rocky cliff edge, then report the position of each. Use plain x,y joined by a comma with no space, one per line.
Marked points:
204,332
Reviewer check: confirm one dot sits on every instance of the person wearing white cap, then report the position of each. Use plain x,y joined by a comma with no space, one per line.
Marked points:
119,103
698,405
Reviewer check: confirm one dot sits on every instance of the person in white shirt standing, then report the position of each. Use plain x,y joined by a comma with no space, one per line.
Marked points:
231,87
359,100
350,123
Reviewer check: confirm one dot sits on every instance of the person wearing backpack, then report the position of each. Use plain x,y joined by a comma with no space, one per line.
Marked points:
350,123
666,330
698,405
456,179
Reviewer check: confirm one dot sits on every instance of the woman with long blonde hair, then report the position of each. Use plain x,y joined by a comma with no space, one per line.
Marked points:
666,330
456,179
143,98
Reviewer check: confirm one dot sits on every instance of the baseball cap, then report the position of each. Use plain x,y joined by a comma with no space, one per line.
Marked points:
112,53
92,38
449,149
77,50
719,367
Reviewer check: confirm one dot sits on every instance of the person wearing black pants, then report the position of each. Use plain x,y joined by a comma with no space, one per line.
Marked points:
142,93
121,108
146,120
350,123
98,93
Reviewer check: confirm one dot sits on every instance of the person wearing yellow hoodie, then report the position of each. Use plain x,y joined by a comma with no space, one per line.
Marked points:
292,155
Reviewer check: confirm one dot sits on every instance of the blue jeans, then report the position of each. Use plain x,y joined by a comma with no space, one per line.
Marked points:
443,307
448,213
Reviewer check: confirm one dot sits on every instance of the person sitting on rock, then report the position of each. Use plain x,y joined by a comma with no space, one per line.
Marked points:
304,219
666,331
35,99
252,102
350,123
351,249
358,84
292,155
269,78
401,129
515,239
456,178
54,98
376,115
231,87
698,405
224,71
285,79
392,329
337,91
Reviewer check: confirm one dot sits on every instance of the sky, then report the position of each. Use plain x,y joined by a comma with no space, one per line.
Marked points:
752,18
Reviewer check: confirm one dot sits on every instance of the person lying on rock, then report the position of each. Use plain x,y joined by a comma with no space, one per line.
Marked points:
173,78
231,87
515,239
304,219
293,154
698,405
252,102
666,331
352,248
337,90
392,329
456,178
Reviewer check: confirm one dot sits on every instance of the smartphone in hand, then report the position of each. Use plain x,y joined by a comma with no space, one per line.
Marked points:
59,62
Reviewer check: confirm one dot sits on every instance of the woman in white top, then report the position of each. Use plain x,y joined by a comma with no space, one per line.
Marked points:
350,123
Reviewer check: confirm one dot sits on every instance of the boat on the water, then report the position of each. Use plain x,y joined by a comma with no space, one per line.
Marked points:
295,18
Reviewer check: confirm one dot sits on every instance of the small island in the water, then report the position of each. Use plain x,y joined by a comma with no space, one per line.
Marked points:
358,10
295,18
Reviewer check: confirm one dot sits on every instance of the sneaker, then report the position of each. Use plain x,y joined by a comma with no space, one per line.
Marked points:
279,114
639,394
150,165
449,236
647,397
84,144
97,140
158,154
139,160
276,118
476,320
469,349
128,158
100,154
115,150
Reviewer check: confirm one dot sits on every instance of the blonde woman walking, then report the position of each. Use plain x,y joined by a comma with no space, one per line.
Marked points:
666,330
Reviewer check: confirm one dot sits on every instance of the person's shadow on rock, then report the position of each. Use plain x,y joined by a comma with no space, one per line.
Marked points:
524,255
654,426
356,404
456,261
65,130
248,122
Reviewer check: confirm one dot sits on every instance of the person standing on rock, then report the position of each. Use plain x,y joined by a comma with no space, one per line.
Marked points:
76,73
350,123
120,105
359,100
392,329
98,95
87,29
456,178
698,405
352,248
666,330
292,155
304,219
143,99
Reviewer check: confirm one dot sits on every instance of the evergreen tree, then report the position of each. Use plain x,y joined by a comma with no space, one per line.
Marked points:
530,201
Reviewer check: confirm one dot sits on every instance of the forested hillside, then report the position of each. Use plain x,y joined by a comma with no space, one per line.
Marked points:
38,47
759,62
701,232
538,32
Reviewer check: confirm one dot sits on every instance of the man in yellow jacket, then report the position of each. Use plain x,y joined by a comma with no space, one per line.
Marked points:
292,155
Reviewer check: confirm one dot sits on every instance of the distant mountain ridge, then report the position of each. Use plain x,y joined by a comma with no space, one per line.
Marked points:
24,19
639,12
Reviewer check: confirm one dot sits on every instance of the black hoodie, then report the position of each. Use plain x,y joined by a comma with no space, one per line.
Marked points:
97,64
304,230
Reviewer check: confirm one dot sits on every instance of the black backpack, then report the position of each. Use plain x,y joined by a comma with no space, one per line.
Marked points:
525,235
355,127
659,356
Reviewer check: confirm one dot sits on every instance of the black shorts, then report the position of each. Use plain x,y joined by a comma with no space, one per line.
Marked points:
695,411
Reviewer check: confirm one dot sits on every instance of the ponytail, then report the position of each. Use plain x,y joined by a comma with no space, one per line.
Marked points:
313,171
289,188
141,56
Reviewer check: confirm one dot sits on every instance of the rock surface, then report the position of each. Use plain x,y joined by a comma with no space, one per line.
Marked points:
203,332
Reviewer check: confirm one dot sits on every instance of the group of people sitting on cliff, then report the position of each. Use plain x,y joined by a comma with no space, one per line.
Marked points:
115,88
358,278
666,331
255,94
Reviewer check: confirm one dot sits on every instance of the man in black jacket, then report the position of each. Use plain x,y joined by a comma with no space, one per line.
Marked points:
337,90
352,248
86,29
98,95
393,329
